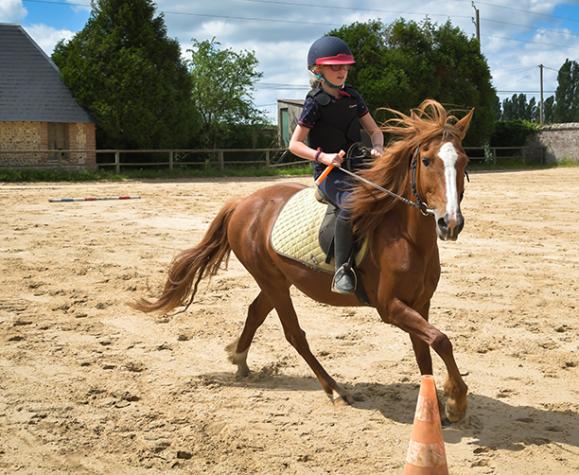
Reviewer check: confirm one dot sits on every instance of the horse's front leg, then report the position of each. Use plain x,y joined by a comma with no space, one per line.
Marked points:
406,318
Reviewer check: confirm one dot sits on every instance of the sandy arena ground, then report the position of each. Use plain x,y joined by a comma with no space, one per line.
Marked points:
88,385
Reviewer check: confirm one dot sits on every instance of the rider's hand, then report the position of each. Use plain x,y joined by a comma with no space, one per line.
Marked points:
335,159
375,152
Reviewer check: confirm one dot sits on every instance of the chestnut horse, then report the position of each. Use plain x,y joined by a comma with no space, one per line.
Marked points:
399,273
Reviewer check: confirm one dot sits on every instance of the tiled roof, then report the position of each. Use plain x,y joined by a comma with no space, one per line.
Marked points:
30,85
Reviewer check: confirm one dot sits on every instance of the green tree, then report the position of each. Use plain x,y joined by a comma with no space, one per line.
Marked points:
549,109
401,64
518,108
532,112
223,82
129,75
567,94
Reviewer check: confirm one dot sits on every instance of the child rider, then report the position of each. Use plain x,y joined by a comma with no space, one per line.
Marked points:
331,119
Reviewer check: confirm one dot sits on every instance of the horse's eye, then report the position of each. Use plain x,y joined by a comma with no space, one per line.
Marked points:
426,161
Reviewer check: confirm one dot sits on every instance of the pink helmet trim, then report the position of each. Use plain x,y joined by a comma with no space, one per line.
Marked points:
338,59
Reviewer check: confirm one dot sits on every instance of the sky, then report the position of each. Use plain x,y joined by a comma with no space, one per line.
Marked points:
516,35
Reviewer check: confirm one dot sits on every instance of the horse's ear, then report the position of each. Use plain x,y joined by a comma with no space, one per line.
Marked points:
462,124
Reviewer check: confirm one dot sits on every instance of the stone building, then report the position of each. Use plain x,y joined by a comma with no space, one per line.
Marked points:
37,111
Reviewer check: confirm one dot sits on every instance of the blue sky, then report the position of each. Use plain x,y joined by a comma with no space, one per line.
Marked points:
516,35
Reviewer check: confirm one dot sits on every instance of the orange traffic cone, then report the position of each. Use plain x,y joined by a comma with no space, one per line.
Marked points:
426,454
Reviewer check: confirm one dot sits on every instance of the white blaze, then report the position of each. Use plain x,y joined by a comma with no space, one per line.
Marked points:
449,156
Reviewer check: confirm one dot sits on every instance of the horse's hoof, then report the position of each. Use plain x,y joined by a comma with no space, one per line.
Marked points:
242,373
454,411
343,400
444,422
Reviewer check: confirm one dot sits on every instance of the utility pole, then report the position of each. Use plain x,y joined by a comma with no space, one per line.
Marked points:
541,105
476,21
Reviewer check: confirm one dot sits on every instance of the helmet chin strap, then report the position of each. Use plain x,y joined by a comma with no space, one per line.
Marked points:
321,77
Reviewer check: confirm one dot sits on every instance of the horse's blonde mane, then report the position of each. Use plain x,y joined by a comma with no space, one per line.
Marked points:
429,120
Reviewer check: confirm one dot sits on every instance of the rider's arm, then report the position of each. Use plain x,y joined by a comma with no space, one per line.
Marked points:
298,147
374,132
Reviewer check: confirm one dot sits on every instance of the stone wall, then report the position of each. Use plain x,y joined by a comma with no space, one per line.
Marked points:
30,136
561,142
23,136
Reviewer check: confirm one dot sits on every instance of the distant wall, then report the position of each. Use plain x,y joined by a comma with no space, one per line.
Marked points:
561,142
30,136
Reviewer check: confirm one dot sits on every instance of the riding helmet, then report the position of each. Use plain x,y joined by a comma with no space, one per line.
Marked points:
329,50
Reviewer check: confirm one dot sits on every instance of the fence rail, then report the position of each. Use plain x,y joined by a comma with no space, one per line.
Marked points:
529,154
272,157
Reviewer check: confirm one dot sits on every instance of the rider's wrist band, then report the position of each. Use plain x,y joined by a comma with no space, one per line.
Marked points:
318,153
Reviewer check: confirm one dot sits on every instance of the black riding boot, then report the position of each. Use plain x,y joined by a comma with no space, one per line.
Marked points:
344,279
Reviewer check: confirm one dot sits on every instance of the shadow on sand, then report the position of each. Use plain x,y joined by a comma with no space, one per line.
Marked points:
492,423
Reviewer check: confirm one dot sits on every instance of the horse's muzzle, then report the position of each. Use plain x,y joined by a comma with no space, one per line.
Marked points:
449,228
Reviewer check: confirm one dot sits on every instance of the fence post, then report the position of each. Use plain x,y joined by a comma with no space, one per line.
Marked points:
221,159
267,159
118,161
171,160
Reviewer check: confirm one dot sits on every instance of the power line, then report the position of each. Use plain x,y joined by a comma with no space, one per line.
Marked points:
206,15
338,7
517,70
526,27
430,14
546,15
526,41
54,2
524,92
273,20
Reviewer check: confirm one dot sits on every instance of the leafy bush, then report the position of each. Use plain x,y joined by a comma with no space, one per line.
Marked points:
512,133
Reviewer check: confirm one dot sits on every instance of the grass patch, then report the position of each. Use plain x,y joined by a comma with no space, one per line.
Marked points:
30,175
24,175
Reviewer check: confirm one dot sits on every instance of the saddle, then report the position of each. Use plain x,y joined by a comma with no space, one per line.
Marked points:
304,232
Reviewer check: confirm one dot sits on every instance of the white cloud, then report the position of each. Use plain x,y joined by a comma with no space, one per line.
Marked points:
12,11
215,28
47,37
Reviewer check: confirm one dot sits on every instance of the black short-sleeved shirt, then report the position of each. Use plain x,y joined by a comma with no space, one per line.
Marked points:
311,113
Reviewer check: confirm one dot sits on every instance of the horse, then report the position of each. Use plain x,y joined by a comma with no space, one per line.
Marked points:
400,272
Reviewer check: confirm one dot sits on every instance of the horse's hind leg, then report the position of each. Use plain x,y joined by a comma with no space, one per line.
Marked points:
256,315
297,338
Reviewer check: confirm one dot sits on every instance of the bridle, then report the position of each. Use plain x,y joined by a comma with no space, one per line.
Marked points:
418,203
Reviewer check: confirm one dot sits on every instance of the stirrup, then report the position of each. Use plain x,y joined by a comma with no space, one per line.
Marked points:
345,271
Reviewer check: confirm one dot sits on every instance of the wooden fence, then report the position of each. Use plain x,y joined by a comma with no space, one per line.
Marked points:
222,158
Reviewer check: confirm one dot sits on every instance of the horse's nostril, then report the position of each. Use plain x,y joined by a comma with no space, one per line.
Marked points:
442,223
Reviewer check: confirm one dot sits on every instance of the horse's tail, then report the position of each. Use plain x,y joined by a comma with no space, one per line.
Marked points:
192,265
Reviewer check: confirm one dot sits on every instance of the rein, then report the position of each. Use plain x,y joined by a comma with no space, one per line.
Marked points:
418,203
